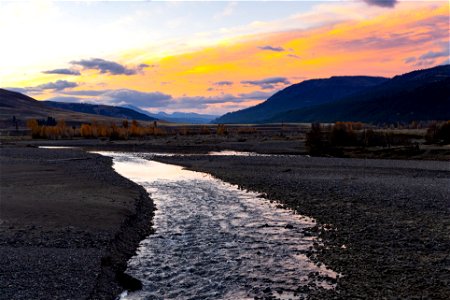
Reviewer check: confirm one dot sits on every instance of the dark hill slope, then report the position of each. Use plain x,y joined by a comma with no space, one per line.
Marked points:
419,95
303,94
22,107
103,110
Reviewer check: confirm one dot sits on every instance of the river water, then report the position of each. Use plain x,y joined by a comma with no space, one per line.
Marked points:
215,241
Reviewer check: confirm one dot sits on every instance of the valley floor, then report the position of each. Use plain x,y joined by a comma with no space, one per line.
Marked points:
69,223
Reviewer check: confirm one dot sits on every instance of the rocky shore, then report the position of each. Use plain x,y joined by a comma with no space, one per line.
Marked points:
68,225
384,224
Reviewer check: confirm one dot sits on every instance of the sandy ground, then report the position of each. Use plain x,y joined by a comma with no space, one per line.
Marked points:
385,224
63,221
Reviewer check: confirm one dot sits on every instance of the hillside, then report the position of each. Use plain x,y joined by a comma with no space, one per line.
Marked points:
418,95
103,110
304,94
23,108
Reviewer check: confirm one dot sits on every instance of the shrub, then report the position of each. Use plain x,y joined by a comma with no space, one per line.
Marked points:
314,139
221,129
342,134
439,133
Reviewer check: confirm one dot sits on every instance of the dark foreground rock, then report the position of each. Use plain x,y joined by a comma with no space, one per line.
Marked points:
385,224
68,225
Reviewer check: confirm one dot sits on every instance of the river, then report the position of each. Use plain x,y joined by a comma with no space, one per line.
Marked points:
215,241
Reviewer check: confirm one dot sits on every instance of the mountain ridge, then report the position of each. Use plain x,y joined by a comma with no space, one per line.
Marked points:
417,95
312,91
385,102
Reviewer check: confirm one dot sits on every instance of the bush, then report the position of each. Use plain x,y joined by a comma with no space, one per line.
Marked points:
221,129
314,139
342,134
439,133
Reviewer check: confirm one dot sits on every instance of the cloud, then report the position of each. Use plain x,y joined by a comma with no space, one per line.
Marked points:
270,48
137,98
410,59
116,97
382,3
429,58
256,95
58,85
68,99
109,67
85,92
222,83
202,102
63,72
267,83
433,54
227,11
293,56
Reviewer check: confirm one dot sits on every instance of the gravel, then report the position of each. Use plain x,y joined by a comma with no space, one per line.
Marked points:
385,224
68,225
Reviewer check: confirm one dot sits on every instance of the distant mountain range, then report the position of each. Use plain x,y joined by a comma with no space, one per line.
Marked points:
103,110
178,117
418,95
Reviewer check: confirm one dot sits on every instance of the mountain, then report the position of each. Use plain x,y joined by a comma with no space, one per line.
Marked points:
181,117
22,108
300,95
103,110
178,117
418,95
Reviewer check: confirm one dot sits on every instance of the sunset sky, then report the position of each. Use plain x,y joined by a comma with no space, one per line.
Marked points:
209,57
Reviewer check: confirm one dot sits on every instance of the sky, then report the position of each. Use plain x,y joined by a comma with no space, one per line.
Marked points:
210,56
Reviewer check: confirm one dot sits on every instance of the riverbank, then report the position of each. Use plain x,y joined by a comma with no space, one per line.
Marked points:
385,224
264,144
68,224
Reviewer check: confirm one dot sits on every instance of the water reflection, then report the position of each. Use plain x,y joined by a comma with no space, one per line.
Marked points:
214,241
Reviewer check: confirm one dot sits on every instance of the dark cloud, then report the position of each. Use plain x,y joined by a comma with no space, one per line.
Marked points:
63,72
68,99
410,60
116,97
293,56
137,98
200,102
107,66
225,82
271,48
85,92
160,100
382,3
430,58
267,83
256,95
433,54
58,85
